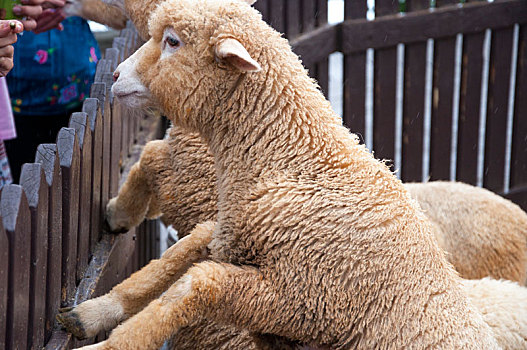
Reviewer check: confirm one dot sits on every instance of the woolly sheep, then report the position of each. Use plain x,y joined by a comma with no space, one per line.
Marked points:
482,233
316,241
503,305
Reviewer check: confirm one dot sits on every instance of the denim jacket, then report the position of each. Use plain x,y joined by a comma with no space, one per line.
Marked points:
53,71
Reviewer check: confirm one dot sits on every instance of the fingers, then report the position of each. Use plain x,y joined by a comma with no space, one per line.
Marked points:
27,10
50,19
7,33
8,30
54,4
32,2
6,60
29,24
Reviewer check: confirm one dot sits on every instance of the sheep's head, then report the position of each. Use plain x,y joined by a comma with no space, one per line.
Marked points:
198,54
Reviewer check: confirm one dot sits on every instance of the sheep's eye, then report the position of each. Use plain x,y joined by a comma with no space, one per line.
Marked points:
173,42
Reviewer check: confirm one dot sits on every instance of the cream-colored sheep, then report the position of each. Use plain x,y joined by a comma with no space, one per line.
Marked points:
503,305
98,11
316,241
482,233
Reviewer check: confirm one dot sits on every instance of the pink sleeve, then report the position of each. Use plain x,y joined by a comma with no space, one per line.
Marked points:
7,124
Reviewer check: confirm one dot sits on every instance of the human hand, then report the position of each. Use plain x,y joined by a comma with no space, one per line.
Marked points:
50,19
30,10
8,31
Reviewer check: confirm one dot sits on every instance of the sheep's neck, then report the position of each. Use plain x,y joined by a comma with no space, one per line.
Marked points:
289,126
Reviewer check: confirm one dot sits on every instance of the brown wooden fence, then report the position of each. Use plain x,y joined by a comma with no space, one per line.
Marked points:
52,250
470,124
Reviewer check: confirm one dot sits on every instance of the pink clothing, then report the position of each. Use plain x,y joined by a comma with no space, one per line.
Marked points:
7,124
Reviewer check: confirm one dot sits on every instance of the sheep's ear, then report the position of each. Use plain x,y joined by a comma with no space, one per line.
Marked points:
233,52
250,2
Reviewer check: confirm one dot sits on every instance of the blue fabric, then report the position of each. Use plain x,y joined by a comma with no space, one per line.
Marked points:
53,71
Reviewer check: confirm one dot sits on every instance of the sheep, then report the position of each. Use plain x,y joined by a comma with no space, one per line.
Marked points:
482,233
316,241
98,11
503,305
175,176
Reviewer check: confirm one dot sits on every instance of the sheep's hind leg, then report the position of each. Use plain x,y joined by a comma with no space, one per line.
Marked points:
129,297
221,292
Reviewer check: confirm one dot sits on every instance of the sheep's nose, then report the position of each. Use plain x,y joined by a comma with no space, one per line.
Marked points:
115,75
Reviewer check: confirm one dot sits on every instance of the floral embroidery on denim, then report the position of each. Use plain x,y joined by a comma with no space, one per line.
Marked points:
41,56
68,93
93,55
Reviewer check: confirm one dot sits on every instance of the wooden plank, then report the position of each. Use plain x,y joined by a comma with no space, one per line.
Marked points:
126,120
442,99
79,121
386,7
120,44
17,223
4,276
103,66
498,99
413,112
413,107
99,91
110,259
33,181
419,26
518,196
92,109
263,7
519,141
312,51
115,146
293,24
276,15
69,156
47,156
308,10
385,68
321,17
469,112
354,99
112,55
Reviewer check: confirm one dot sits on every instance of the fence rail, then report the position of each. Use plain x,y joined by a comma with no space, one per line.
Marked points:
52,250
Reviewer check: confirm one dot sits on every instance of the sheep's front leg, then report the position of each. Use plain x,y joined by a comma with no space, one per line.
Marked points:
129,297
221,292
137,197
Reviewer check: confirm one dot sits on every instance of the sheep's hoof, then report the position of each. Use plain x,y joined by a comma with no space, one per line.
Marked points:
69,318
106,228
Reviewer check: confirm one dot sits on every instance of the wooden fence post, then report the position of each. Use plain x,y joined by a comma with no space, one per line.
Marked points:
99,91
354,96
93,112
69,155
47,156
385,68
79,122
33,182
17,223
